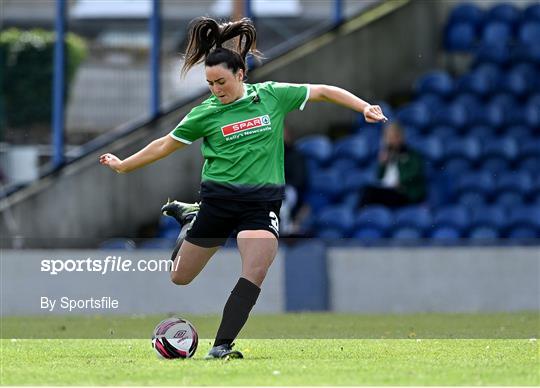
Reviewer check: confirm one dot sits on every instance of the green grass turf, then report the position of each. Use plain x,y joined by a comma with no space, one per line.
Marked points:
294,326
507,354
275,362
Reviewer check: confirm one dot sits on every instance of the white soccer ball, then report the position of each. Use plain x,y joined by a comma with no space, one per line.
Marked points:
175,338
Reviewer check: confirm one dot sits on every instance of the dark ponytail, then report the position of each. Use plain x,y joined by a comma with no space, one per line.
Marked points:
206,39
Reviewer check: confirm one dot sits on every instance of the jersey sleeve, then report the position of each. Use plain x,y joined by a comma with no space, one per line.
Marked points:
291,96
188,130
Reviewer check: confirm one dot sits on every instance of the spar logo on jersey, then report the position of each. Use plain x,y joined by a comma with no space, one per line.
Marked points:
245,125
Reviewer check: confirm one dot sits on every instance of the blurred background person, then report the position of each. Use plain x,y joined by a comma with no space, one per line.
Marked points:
400,172
293,209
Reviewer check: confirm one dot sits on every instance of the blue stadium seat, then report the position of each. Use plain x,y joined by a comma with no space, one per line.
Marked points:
520,133
529,33
532,12
484,233
468,100
467,12
170,234
494,217
476,83
506,100
464,148
496,32
166,223
525,216
505,147
374,217
530,164
508,199
406,234
535,179
343,164
353,147
495,165
442,132
471,199
530,149
356,179
350,199
532,116
414,115
432,101
519,81
534,99
498,54
436,82
446,234
316,147
414,217
460,36
492,71
336,217
453,115
455,216
504,12
370,133
431,148
330,234
456,166
368,234
523,233
527,52
317,200
491,115
481,132
327,182
518,182
479,182
439,192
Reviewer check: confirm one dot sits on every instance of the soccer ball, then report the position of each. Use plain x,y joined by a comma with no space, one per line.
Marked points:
175,338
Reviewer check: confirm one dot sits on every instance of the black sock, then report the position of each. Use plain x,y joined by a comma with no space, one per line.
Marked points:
181,236
236,311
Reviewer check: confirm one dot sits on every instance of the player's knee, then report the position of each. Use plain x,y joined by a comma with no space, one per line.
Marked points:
257,274
179,279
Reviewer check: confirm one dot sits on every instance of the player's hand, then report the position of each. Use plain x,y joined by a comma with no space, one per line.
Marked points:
111,161
374,114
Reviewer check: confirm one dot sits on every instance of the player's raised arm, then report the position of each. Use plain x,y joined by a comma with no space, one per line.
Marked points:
339,96
156,150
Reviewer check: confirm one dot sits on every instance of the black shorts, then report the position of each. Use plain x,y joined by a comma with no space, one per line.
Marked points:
218,219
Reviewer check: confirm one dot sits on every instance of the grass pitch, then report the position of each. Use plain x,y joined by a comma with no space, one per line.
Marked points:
417,359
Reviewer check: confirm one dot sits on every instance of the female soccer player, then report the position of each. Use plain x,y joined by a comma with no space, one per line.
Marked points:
242,178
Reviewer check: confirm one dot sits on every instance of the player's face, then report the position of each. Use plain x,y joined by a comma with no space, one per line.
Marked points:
393,138
224,84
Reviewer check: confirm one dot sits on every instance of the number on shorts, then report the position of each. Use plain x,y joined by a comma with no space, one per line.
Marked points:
274,221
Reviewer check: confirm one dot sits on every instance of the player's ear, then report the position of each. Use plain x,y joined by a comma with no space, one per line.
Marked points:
240,75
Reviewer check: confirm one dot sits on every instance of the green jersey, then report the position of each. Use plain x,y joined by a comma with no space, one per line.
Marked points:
243,141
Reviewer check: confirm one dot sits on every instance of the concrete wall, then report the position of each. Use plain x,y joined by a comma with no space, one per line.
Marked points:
378,280
137,291
403,280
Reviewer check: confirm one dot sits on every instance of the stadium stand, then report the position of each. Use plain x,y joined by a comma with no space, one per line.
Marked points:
478,131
